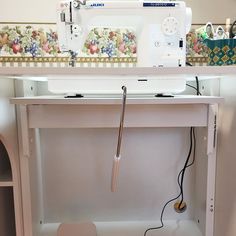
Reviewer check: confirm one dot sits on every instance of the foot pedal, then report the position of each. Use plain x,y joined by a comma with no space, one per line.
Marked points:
80,229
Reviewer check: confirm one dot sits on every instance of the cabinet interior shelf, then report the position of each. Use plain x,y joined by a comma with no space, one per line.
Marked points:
6,179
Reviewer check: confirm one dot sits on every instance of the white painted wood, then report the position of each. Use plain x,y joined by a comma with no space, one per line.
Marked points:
200,185
141,112
25,176
13,155
211,169
24,131
94,112
140,71
107,116
225,181
36,182
23,88
6,184
111,100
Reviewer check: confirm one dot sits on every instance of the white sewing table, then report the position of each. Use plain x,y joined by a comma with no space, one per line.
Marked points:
98,112
181,111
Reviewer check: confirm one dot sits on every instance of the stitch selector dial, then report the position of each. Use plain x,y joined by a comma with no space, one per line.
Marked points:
170,26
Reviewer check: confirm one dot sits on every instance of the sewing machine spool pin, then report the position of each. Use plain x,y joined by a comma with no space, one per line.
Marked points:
116,160
77,3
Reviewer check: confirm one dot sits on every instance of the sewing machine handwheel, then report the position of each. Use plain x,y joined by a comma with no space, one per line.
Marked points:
170,26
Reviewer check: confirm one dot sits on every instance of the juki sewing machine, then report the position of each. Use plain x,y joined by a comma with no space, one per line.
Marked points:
120,34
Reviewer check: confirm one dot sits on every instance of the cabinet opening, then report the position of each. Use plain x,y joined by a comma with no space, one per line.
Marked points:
5,165
70,181
7,212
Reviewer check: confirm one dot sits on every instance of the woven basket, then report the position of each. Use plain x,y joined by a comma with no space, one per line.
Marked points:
221,52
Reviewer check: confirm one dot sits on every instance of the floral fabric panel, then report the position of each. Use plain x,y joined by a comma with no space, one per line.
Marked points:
107,42
196,49
28,41
195,45
39,43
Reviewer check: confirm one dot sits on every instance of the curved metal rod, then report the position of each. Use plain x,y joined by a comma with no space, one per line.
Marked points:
121,121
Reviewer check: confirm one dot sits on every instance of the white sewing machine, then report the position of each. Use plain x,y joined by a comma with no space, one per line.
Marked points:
123,33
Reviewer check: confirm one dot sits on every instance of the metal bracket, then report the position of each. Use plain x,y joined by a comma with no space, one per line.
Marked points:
215,131
117,157
212,129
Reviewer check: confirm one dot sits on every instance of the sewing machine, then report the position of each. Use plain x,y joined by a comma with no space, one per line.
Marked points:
123,34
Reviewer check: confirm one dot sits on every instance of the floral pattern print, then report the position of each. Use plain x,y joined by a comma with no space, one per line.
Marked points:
27,41
37,41
107,42
195,45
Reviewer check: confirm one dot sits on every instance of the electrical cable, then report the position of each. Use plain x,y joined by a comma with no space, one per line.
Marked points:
184,169
197,81
194,155
194,88
181,173
197,85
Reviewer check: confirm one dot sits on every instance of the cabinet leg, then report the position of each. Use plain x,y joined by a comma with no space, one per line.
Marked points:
25,173
211,168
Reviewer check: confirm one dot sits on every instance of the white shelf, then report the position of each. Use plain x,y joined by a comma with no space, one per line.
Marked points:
6,184
6,179
140,71
172,227
59,100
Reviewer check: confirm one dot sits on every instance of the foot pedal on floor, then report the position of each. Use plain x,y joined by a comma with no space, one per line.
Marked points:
80,229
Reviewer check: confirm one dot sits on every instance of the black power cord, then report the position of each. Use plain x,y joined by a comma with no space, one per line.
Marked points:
197,85
197,82
180,183
186,165
194,89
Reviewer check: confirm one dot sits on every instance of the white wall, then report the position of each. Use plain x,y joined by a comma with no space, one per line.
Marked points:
44,10
215,11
